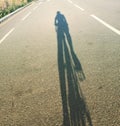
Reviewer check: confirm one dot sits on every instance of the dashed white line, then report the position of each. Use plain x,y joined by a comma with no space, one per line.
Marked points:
79,7
106,24
35,8
98,19
7,35
40,3
70,1
76,5
26,16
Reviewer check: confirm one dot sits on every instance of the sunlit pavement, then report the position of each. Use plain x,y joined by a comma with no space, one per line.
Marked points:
52,78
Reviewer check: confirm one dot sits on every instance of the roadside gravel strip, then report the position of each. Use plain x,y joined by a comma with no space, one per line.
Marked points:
9,15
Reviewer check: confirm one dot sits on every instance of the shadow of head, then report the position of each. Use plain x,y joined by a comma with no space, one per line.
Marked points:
61,23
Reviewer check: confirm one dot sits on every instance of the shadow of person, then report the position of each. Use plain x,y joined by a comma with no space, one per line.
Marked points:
75,111
62,30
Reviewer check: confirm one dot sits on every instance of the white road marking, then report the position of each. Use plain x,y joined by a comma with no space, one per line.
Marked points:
76,5
7,35
79,7
70,1
26,16
106,24
35,8
40,3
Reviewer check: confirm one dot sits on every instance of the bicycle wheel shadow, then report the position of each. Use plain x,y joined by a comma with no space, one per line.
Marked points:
75,111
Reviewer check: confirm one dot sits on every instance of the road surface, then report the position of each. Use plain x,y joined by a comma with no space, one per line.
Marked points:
61,78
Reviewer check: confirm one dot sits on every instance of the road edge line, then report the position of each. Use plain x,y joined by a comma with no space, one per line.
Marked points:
11,14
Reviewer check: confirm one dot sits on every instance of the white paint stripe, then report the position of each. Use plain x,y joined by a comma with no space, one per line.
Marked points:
40,3
70,1
35,8
106,24
26,16
79,7
7,35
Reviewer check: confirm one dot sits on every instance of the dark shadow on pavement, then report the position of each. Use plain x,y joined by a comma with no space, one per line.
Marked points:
75,111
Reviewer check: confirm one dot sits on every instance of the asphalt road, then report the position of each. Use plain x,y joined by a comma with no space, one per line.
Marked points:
64,77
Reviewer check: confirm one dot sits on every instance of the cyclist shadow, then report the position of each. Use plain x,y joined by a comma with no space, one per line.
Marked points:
75,111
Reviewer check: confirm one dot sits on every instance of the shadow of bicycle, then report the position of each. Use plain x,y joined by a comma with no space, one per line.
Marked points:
75,111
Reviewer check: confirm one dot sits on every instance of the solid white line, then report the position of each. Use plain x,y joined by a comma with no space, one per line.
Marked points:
106,24
7,35
35,8
26,16
79,7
